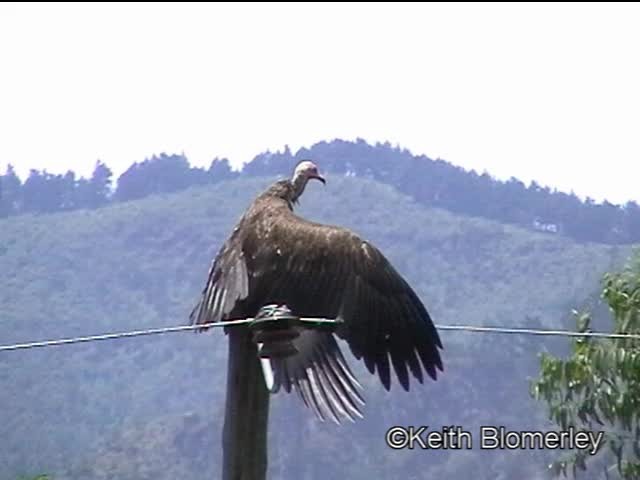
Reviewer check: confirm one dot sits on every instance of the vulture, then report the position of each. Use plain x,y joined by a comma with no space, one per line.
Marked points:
274,256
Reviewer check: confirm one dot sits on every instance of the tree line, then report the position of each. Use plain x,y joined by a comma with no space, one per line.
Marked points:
44,192
432,182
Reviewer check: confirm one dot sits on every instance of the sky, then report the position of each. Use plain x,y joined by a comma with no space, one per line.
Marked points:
548,93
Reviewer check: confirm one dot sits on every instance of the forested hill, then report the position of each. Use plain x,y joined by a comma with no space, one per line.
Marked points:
430,182
151,407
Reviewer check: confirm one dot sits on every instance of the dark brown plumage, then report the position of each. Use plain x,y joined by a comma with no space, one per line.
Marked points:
275,257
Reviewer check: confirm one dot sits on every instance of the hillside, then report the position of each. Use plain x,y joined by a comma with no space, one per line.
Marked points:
151,407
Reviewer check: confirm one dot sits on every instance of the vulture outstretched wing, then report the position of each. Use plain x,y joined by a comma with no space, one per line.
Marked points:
326,271
227,283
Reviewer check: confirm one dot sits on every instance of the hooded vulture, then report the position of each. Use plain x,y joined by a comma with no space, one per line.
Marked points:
274,256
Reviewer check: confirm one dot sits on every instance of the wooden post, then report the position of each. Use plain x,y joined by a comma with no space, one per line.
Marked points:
244,438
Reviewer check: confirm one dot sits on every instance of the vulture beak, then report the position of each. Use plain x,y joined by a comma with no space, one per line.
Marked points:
321,178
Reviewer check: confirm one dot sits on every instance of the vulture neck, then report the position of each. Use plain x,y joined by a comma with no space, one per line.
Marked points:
298,183
289,190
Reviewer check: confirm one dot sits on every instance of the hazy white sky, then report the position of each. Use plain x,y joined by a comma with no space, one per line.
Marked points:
547,93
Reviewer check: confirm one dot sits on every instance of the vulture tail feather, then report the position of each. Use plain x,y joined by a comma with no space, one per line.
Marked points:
320,375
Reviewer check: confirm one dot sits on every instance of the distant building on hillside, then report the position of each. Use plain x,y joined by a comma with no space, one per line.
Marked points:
545,227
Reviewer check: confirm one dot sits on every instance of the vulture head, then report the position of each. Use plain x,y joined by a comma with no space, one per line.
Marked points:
304,171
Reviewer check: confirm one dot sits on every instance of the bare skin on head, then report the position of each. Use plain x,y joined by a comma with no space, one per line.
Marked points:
305,171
